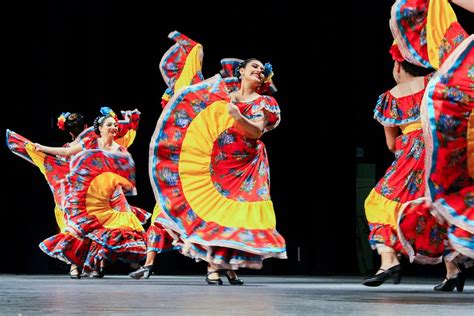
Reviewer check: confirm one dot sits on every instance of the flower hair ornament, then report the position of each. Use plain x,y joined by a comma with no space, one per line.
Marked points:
106,112
62,119
267,72
267,87
395,52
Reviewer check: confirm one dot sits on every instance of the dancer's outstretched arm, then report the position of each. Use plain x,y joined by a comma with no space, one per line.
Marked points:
59,151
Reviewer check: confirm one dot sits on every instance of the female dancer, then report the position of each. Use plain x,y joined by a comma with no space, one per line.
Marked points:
57,167
210,174
397,110
96,206
437,40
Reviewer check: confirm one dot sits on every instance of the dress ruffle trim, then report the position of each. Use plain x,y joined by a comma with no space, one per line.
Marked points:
390,111
66,247
418,229
221,255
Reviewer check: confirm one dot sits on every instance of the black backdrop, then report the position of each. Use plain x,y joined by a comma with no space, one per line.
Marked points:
330,65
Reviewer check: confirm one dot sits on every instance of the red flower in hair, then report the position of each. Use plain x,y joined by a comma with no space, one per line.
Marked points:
396,54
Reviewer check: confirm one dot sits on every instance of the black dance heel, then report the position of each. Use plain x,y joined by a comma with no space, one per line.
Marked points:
98,274
142,272
213,281
448,285
394,272
234,280
101,272
74,275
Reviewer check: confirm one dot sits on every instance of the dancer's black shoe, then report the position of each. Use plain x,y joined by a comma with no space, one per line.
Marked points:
76,275
394,273
217,281
232,278
142,272
448,285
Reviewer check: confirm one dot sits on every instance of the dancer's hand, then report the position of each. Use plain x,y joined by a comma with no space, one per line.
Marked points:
234,110
38,147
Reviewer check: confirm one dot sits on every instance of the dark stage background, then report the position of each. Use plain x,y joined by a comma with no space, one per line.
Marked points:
330,65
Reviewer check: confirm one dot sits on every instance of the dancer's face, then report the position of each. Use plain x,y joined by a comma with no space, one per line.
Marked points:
253,71
109,127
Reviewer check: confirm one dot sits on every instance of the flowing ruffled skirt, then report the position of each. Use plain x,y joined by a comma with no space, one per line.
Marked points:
402,182
447,212
158,239
97,210
211,183
53,168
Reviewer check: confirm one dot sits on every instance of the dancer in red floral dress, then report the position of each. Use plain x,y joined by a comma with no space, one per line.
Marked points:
398,110
209,170
430,35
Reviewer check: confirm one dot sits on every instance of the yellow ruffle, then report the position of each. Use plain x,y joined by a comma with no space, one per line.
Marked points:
97,203
156,211
440,17
127,139
379,209
36,156
408,128
38,159
59,214
192,65
198,188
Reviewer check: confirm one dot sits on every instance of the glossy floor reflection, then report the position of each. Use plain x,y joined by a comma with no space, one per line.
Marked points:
261,295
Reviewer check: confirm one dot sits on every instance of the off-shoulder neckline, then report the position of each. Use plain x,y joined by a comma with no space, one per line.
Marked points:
252,100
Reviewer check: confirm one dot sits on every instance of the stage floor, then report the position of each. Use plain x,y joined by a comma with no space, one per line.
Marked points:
261,295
